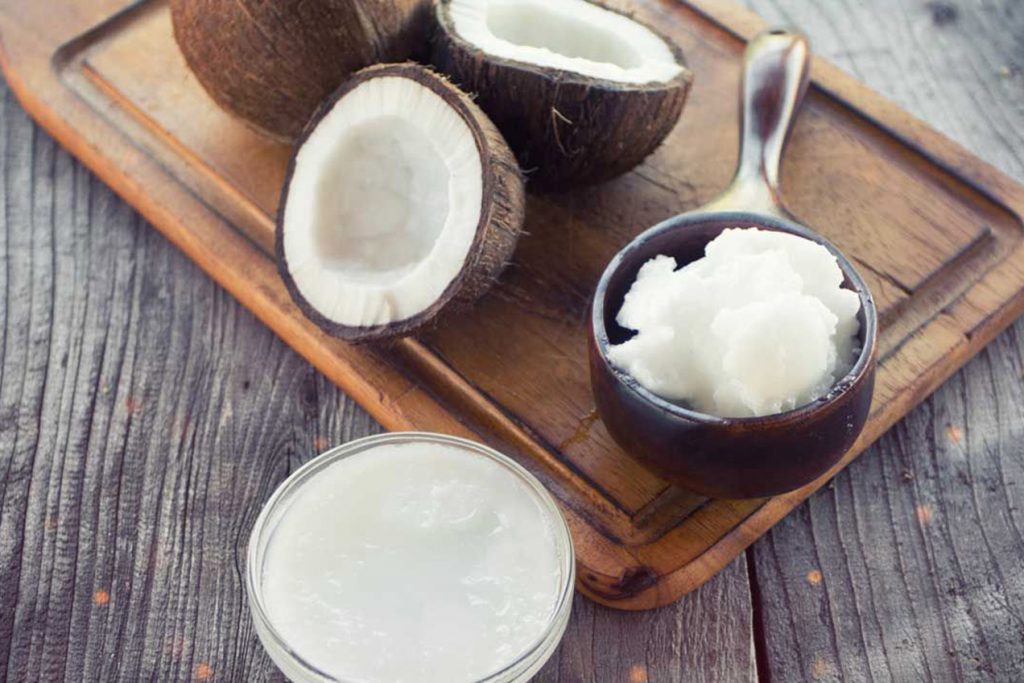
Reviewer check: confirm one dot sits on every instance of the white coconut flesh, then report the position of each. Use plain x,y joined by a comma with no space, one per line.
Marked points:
568,35
383,204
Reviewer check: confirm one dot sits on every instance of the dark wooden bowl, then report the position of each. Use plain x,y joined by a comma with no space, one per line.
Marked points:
714,456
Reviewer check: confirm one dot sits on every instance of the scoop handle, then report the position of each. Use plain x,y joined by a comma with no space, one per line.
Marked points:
776,72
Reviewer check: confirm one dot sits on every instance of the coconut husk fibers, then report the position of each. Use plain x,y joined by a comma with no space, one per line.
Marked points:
502,211
272,62
565,129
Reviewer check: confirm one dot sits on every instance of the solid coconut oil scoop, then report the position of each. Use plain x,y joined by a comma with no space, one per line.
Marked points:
725,441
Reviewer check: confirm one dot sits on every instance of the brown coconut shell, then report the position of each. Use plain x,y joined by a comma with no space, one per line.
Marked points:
272,62
566,129
502,211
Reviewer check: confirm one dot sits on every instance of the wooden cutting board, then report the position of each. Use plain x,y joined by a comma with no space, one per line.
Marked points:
936,232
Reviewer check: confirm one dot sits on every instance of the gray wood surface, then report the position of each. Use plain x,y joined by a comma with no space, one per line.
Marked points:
911,568
145,416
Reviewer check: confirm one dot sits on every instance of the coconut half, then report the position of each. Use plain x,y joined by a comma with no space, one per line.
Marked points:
401,201
272,62
582,93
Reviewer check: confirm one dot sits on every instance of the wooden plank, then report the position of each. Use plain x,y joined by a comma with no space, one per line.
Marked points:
908,567
145,417
705,636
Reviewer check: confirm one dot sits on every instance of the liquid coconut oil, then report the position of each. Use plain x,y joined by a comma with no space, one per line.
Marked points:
411,558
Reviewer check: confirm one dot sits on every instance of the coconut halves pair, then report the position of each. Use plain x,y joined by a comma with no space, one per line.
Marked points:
403,198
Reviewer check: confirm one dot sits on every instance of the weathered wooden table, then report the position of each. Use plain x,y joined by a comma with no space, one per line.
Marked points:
145,417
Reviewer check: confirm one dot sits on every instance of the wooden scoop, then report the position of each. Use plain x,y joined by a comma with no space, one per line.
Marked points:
735,457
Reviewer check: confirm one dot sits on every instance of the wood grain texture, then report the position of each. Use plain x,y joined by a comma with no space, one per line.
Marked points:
908,568
145,417
887,189
92,487
705,636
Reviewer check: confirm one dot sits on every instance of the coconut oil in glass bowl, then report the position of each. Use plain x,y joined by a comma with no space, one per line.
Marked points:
410,557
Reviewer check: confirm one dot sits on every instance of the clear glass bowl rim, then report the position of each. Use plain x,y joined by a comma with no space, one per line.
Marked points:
532,657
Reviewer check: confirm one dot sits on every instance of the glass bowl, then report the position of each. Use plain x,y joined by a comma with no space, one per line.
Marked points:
525,664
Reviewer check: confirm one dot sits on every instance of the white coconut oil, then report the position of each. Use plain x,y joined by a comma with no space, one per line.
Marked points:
417,559
761,324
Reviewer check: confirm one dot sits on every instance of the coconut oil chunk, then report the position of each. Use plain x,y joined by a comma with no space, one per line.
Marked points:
413,562
760,325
